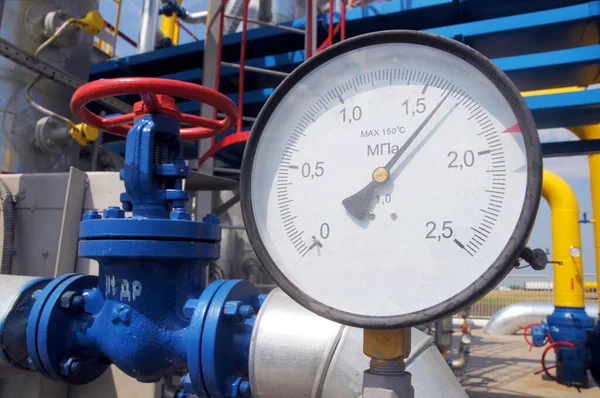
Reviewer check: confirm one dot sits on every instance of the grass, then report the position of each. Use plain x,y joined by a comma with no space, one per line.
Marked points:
516,296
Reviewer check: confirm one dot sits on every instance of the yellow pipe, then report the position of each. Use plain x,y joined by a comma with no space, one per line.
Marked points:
109,50
176,34
169,27
558,90
590,133
568,275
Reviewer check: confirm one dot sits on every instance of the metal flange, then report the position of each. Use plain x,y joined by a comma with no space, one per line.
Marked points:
51,353
223,321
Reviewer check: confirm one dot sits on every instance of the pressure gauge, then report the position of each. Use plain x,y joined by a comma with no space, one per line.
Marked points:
574,251
391,179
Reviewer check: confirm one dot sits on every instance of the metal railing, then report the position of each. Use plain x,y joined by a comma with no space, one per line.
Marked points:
310,28
513,290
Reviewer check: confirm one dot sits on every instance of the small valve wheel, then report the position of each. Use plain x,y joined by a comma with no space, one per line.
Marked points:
157,97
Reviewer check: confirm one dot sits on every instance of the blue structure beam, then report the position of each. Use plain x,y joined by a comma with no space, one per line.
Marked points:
569,26
570,148
539,44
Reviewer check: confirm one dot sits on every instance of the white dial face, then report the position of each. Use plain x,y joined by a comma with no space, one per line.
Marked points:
388,179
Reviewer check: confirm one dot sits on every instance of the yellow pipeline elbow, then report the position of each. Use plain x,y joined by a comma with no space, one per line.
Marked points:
83,133
93,22
568,270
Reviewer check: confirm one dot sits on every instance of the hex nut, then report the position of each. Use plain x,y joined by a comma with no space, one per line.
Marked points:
212,219
70,366
67,301
189,308
377,385
114,212
180,214
36,294
387,344
245,311
91,215
122,315
186,384
230,308
245,389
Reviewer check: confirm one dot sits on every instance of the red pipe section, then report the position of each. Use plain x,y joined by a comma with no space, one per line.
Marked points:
242,65
309,28
186,30
330,21
240,136
235,138
122,35
219,50
343,21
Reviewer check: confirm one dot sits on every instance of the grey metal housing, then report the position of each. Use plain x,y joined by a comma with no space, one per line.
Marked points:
15,305
514,317
295,353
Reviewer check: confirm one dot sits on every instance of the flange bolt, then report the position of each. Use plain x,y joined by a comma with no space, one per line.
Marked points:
180,213
246,311
245,389
211,218
237,310
36,294
186,384
114,212
235,386
122,315
91,215
189,308
70,366
72,301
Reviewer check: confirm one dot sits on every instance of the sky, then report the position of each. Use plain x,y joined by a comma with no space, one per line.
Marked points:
574,170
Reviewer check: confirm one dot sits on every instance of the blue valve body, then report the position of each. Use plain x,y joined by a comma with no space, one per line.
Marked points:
571,324
149,311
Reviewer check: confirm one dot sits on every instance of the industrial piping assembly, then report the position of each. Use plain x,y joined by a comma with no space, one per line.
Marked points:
568,328
150,311
151,284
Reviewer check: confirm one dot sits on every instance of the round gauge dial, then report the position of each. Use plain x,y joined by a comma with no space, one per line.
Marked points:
391,179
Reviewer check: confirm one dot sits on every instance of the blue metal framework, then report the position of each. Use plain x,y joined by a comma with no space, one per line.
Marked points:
540,44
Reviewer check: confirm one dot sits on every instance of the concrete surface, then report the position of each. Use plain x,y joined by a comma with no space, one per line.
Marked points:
503,367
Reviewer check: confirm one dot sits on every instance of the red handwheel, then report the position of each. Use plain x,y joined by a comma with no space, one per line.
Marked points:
157,97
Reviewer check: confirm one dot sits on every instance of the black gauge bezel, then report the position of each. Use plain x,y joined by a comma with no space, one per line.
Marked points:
509,255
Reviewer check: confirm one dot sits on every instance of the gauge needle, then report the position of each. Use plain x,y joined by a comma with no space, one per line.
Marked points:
358,204
316,242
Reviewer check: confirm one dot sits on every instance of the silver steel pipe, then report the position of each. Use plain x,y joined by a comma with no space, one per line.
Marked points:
15,305
295,353
254,69
226,170
195,17
265,10
512,318
228,226
148,26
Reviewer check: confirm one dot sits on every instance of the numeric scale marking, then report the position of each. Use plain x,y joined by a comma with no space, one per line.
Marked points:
477,239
